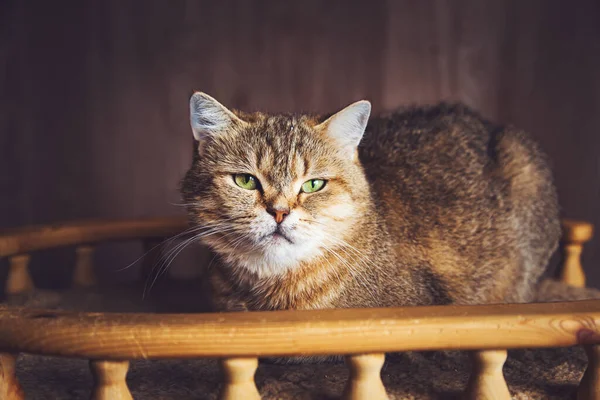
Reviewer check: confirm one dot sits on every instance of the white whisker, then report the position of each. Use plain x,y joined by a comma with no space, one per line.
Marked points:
166,259
167,240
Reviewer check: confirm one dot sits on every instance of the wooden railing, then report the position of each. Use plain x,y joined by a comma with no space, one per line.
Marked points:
109,340
18,244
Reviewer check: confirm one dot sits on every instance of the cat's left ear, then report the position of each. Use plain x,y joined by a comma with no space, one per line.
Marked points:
347,127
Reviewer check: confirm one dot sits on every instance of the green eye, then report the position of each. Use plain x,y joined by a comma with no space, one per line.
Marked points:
313,185
245,181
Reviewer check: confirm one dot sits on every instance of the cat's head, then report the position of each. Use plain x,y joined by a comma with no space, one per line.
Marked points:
270,192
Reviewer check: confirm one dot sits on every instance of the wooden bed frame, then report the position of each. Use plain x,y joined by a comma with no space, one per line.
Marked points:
109,340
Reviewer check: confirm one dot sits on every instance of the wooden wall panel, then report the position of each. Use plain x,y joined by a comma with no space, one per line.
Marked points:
93,113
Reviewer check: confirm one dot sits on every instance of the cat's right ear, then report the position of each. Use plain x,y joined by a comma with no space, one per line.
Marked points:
210,118
347,127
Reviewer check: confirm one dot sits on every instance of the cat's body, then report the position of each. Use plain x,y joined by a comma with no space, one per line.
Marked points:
439,207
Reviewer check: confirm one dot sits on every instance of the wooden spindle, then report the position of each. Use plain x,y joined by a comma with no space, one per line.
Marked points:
110,380
365,377
83,275
238,379
575,234
589,388
487,380
572,270
9,385
19,279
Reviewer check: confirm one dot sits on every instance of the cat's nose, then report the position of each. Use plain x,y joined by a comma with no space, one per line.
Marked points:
279,213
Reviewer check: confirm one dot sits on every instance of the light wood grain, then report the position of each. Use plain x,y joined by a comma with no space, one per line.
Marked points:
487,380
334,331
84,275
589,388
575,231
571,271
30,239
575,235
110,380
238,379
9,385
364,382
19,278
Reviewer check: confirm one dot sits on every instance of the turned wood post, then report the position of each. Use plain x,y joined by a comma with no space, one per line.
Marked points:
9,385
589,388
364,382
572,270
110,380
84,275
575,234
238,379
19,279
487,380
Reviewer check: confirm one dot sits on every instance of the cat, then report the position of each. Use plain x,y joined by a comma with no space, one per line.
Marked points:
420,206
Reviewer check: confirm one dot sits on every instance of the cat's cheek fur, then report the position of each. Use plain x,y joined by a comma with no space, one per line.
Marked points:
342,209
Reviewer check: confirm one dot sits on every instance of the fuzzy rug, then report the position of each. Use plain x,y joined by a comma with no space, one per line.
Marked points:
530,374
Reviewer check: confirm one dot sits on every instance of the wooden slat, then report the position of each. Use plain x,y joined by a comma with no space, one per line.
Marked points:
487,380
576,231
238,382
39,238
571,271
575,235
364,382
19,278
334,331
9,386
84,275
109,380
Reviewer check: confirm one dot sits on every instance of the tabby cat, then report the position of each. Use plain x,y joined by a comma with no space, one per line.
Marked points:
421,206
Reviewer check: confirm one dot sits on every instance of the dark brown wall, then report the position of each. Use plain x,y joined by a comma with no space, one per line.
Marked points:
93,100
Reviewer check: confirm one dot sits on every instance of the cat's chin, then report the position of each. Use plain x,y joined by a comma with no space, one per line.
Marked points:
276,239
276,257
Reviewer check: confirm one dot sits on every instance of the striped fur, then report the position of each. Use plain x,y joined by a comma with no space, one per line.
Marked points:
435,206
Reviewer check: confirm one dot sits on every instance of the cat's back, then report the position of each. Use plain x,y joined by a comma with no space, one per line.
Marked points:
463,196
438,134
431,159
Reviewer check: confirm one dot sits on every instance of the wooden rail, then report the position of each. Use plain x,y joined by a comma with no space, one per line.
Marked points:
35,238
285,333
363,335
18,243
26,240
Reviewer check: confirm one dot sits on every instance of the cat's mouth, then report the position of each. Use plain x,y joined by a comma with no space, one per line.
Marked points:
277,236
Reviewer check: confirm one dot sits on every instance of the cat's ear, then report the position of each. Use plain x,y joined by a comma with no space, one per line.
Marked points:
209,118
347,127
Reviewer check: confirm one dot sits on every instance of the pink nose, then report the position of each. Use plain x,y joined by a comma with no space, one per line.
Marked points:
278,213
